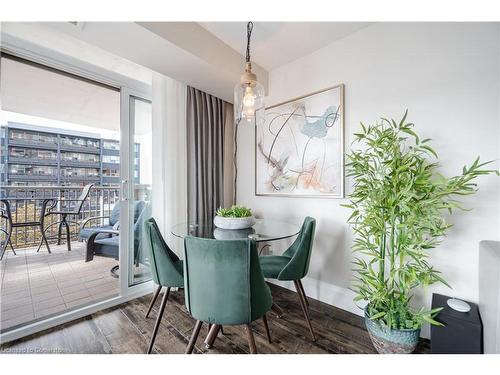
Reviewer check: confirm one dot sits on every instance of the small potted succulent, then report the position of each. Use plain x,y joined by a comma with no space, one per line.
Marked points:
236,217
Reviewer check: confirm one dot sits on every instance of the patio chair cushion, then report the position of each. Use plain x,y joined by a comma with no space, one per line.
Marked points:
85,233
107,247
115,214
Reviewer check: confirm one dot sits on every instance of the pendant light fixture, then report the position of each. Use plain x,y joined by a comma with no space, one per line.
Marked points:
248,93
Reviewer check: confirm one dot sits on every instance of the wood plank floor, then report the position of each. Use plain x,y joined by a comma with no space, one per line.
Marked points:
123,329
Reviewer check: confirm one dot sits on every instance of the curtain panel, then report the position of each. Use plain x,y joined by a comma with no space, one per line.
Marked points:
169,157
209,140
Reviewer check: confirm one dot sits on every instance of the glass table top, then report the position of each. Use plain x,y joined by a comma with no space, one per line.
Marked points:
263,230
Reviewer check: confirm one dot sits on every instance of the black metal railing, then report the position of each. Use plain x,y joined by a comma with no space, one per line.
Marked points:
26,205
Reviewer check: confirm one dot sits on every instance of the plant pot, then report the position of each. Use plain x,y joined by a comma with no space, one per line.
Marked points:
234,222
391,341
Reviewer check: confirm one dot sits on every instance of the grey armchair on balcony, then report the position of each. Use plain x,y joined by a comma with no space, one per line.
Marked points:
108,246
113,223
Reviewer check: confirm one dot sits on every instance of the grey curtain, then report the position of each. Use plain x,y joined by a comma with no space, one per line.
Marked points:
206,117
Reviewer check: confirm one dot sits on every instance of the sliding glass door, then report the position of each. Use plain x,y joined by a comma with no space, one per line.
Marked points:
59,132
136,185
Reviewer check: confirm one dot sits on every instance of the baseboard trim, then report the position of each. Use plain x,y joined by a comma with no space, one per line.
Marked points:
334,295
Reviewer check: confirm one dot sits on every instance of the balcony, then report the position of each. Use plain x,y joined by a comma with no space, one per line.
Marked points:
35,285
79,163
38,285
32,143
32,161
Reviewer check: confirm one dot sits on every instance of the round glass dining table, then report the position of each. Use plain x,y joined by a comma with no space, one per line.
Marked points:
263,230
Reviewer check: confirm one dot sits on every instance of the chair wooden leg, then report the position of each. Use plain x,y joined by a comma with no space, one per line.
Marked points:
212,335
153,300
304,309
277,310
194,336
266,326
251,340
303,292
158,319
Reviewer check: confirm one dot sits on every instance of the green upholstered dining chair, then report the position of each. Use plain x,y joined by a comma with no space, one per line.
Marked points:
293,265
166,270
224,285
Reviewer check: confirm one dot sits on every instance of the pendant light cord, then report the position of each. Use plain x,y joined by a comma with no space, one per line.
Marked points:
249,34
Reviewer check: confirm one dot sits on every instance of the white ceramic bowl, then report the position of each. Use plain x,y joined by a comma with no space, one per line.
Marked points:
234,222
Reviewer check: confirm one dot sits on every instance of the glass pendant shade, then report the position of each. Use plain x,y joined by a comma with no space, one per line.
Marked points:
248,96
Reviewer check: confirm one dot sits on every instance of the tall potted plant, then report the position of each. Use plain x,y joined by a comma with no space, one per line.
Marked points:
397,204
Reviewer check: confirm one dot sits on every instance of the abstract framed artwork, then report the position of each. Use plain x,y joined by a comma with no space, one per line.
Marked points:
299,146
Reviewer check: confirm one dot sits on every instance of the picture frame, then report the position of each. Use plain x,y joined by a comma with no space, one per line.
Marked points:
299,146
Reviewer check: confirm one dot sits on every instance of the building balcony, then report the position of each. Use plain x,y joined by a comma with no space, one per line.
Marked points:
31,177
78,148
31,143
80,178
32,161
80,164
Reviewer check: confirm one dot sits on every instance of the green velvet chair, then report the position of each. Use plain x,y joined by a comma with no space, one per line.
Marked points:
166,270
293,265
224,285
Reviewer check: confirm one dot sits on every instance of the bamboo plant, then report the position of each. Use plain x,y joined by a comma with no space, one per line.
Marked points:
398,204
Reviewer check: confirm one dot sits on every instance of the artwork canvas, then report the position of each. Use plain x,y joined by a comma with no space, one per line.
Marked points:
299,146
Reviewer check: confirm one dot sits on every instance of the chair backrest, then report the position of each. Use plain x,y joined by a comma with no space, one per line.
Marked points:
165,265
299,252
115,213
83,196
223,281
114,217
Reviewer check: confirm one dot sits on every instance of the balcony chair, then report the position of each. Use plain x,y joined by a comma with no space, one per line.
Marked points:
166,269
109,246
63,212
224,286
6,214
113,224
293,265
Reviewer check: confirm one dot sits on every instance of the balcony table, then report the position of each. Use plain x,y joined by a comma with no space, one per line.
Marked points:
6,213
263,230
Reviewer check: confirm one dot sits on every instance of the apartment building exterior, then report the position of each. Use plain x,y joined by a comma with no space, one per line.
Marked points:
38,156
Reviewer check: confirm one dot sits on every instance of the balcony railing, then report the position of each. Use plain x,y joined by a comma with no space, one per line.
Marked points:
100,202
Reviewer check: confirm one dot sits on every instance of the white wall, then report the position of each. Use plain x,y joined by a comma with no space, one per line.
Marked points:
447,75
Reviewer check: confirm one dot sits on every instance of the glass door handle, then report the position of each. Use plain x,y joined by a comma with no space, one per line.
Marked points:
124,190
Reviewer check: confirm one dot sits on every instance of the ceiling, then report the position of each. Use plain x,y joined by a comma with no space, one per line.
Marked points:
45,35
276,43
32,91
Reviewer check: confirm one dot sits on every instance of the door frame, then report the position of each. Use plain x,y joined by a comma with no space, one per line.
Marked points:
127,86
127,177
